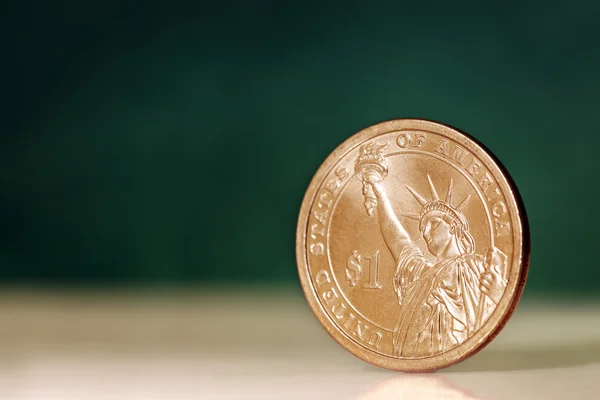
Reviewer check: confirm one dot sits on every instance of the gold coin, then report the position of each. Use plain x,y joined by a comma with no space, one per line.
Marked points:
412,245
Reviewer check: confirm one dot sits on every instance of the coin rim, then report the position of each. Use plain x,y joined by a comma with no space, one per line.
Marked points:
407,365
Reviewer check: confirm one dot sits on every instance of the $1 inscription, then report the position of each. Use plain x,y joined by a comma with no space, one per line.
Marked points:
357,263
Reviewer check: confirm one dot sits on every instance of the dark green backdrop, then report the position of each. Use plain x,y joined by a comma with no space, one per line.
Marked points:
171,142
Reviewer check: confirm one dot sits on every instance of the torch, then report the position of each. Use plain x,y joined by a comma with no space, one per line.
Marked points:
371,163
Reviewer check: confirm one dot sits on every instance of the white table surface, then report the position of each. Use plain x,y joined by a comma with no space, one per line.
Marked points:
240,343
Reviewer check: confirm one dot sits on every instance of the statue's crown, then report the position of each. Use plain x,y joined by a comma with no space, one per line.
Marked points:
436,204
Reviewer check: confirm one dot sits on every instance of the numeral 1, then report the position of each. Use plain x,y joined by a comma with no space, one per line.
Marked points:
373,271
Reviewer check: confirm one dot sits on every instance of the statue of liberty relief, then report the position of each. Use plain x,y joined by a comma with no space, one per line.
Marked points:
442,303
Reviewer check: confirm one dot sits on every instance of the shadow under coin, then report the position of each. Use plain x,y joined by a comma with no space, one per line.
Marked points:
524,359
415,386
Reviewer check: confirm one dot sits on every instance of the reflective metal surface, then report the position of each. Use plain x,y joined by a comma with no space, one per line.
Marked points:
412,245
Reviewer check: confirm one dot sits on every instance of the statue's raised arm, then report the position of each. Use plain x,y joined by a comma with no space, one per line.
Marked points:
372,168
394,234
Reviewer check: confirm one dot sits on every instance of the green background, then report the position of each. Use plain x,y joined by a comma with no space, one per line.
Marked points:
172,142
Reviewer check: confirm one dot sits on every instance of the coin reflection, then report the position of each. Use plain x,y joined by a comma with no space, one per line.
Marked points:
421,387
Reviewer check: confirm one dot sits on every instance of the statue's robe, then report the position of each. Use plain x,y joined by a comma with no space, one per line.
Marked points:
439,304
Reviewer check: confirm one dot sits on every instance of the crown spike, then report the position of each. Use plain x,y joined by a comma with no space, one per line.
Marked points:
417,196
449,194
434,195
461,206
416,217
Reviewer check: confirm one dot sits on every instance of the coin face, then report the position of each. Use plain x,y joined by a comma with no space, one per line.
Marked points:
412,245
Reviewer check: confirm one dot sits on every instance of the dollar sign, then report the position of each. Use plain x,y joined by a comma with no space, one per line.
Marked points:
353,269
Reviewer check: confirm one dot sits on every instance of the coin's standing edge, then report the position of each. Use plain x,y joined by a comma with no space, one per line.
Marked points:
412,245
